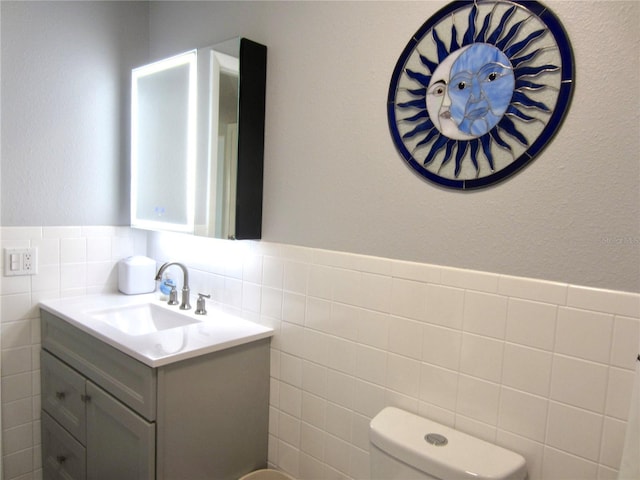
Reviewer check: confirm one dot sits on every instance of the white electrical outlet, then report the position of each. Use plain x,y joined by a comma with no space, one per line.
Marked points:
20,261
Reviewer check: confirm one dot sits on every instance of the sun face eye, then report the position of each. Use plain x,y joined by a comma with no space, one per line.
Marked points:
438,89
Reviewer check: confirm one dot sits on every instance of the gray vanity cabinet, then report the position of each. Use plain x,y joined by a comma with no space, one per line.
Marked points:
87,433
106,415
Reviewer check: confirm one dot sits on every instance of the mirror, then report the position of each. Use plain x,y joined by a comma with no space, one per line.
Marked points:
197,141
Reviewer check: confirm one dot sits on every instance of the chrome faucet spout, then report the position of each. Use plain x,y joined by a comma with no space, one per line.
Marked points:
185,284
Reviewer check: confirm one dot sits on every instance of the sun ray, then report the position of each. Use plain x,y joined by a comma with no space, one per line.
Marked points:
460,154
509,127
423,127
521,99
469,35
506,39
518,47
419,77
498,139
493,38
520,115
485,140
442,49
534,71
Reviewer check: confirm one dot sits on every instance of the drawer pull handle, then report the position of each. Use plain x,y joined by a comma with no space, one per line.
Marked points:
85,398
60,395
61,459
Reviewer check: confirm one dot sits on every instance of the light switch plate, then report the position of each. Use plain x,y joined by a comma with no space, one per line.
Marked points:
20,261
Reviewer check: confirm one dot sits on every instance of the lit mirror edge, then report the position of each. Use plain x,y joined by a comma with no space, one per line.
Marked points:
186,58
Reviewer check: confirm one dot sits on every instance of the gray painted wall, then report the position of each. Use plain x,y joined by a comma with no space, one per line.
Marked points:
332,176
65,110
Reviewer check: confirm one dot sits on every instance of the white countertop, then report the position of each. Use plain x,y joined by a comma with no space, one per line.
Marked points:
212,332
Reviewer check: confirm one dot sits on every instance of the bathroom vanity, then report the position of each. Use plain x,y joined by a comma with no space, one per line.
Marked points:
178,402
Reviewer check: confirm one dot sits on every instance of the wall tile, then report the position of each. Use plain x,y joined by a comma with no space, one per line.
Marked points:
574,431
314,410
416,271
289,429
293,308
347,287
312,441
371,364
340,388
15,307
441,346
527,369
403,375
612,442
272,272
470,279
369,398
485,314
478,399
290,400
579,383
532,289
607,301
291,370
295,277
626,342
438,386
594,341
408,299
619,391
531,323
320,282
373,329
405,337
314,378
339,421
16,334
73,250
531,425
561,465
445,306
376,292
481,357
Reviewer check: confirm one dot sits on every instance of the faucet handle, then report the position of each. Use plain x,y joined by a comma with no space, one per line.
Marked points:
201,304
173,294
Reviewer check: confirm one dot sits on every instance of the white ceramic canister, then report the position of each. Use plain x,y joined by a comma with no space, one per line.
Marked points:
136,275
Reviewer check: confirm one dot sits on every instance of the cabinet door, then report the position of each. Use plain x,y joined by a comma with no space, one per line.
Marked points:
63,395
120,443
62,456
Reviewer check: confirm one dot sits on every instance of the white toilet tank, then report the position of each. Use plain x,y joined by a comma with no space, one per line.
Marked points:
405,446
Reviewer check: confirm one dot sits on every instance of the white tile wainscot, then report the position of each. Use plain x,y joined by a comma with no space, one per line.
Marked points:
357,333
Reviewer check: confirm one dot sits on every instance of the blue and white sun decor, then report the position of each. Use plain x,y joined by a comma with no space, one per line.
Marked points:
480,90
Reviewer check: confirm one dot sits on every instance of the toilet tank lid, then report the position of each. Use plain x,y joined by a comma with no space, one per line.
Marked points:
402,435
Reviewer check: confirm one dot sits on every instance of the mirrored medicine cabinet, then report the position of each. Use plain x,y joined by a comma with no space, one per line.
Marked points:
197,141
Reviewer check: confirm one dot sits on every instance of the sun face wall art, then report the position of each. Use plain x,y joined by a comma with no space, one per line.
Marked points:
479,90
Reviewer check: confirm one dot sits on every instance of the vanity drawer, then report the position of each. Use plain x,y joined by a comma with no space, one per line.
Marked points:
129,380
63,395
63,457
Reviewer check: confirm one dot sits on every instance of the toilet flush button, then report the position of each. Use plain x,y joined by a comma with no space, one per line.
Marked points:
436,439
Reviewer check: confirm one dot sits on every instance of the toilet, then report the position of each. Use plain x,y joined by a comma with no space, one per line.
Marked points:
405,446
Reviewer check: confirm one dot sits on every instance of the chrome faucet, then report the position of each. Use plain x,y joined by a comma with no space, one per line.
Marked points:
185,284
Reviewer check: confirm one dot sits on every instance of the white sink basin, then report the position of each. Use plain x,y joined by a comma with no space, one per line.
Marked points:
151,331
142,319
